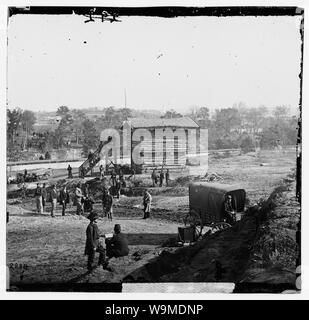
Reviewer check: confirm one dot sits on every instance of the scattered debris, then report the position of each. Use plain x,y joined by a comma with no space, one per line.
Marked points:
210,177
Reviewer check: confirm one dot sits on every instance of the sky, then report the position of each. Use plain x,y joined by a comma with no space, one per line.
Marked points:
159,63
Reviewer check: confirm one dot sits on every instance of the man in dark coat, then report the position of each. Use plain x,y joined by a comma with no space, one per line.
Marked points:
86,188
113,178
25,174
167,177
101,168
88,203
24,191
117,246
154,177
53,199
92,242
44,196
229,210
118,188
64,199
83,172
90,158
109,205
161,177
121,174
69,172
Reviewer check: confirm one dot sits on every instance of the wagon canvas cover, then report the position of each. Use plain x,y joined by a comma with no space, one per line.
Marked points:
208,199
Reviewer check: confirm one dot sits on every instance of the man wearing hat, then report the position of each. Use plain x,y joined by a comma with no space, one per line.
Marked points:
38,197
70,176
64,198
109,205
117,246
44,195
53,199
229,210
92,242
88,203
147,204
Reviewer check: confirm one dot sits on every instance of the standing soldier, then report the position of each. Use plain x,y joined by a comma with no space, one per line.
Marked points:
229,210
44,196
92,241
88,203
121,174
70,176
90,158
38,197
24,191
154,177
147,204
161,177
53,199
113,178
79,198
101,168
167,177
109,206
86,189
83,172
118,187
64,199
25,174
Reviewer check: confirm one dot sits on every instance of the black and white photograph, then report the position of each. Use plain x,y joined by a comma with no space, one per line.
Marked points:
154,149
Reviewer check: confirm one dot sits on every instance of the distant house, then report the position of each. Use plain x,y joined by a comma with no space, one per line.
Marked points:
48,121
166,142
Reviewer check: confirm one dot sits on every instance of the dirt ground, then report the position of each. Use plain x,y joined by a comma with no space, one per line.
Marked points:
52,248
261,249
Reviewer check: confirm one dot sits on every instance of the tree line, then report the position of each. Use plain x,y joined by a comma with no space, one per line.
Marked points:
243,127
236,127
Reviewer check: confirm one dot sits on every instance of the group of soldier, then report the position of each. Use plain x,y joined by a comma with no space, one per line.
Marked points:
83,200
116,246
42,196
155,177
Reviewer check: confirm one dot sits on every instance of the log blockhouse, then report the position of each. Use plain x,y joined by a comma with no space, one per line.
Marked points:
163,142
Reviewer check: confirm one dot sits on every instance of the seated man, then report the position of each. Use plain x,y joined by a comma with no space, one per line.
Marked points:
229,210
117,246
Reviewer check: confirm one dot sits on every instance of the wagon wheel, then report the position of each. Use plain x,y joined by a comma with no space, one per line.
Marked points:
194,220
218,226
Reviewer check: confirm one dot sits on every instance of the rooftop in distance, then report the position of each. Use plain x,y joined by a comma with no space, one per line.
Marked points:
183,122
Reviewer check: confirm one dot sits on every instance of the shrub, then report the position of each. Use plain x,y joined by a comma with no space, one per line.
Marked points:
247,145
47,155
